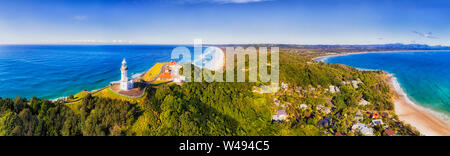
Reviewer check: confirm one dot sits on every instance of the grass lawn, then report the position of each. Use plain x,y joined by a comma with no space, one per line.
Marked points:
108,93
105,93
153,72
78,96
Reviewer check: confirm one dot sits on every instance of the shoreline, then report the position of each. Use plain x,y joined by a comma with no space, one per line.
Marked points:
140,74
426,121
94,90
325,57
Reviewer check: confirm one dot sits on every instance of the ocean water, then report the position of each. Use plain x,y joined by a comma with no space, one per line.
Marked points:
51,72
423,75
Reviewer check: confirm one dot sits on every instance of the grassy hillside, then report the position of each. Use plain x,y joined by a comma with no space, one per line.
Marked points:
153,72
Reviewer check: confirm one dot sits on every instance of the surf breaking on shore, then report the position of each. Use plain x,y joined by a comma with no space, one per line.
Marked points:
428,122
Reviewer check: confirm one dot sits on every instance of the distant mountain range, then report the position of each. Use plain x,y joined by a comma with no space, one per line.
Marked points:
380,46
396,46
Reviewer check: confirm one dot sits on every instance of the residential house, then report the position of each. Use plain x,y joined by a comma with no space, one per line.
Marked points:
376,115
363,102
333,89
390,132
355,83
323,109
280,116
284,86
346,82
365,130
303,106
377,122
337,89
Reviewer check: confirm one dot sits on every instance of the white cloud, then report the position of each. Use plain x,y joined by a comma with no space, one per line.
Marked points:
80,18
426,35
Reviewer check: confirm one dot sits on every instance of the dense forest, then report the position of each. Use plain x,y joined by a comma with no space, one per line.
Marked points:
196,109
216,109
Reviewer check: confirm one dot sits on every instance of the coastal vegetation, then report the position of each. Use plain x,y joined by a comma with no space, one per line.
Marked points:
220,109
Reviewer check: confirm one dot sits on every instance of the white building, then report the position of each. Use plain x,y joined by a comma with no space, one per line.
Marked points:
175,69
377,122
365,130
125,82
280,116
323,109
334,89
304,106
364,102
179,79
284,86
355,84
346,82
337,89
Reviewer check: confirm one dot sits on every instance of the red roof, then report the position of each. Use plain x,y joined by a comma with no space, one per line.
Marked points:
165,76
389,132
171,63
376,115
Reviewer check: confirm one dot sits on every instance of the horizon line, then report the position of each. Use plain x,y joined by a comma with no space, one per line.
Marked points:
85,44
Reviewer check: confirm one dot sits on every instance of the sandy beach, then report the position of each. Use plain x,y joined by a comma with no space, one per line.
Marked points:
324,58
428,122
417,116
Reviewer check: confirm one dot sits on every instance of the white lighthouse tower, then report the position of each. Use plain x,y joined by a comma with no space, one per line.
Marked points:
125,83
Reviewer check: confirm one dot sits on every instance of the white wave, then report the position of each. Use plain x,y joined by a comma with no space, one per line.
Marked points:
397,86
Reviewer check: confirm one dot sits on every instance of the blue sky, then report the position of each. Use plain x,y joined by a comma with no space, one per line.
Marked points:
225,21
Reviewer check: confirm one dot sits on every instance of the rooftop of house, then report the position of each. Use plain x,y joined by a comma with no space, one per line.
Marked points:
363,129
281,112
375,115
377,122
165,76
303,106
390,132
172,63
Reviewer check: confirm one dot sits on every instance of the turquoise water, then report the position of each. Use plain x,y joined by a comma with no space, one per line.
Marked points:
51,72
424,76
